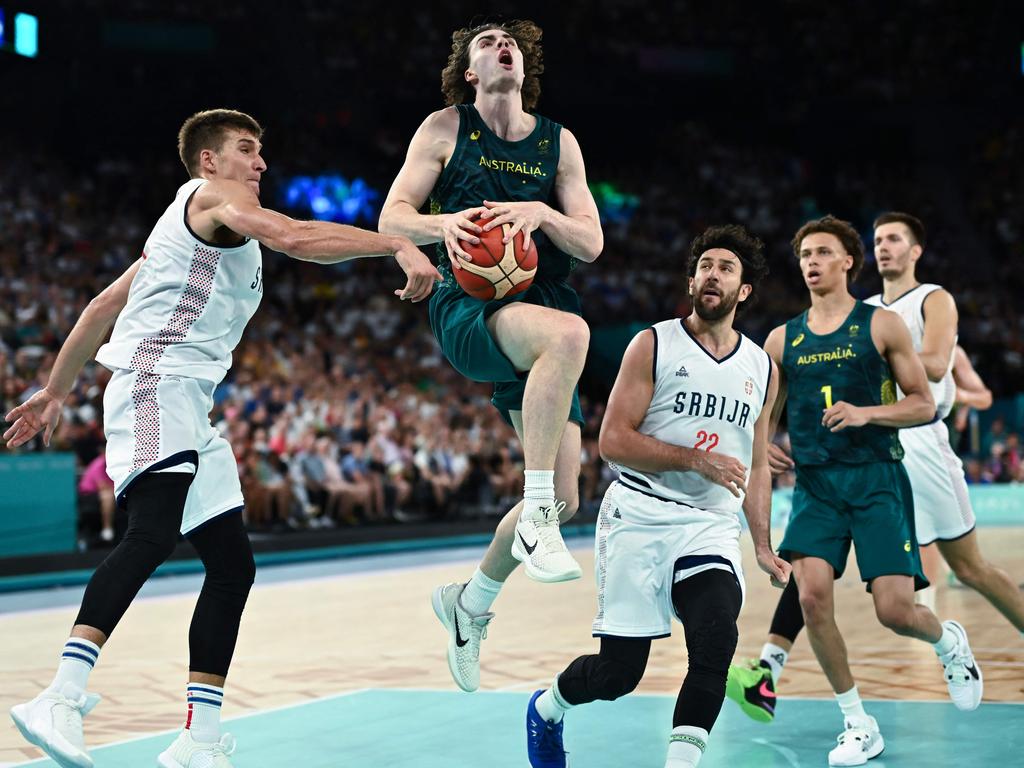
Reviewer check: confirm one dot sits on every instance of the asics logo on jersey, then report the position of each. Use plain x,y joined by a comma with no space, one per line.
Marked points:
682,371
527,547
458,635
797,340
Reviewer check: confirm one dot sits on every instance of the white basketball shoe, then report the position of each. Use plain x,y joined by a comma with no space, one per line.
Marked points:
53,722
465,632
539,547
963,675
858,743
186,752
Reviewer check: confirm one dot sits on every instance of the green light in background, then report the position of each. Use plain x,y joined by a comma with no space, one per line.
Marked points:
26,35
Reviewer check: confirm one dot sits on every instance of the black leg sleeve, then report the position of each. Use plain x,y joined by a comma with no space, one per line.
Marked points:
607,675
156,503
788,619
708,604
223,546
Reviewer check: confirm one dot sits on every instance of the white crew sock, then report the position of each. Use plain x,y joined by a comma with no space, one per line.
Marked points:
76,662
775,657
947,643
851,705
686,746
539,491
550,704
203,716
480,593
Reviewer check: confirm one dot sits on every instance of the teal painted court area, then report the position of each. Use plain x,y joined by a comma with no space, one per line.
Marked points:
449,729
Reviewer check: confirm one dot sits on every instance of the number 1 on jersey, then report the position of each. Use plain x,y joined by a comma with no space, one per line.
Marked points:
827,390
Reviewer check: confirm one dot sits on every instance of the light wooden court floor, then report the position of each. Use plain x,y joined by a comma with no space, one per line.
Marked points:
365,628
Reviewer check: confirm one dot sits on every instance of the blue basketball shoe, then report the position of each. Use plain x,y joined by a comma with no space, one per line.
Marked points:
543,739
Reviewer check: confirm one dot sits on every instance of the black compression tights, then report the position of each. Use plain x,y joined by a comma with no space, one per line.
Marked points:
156,503
708,604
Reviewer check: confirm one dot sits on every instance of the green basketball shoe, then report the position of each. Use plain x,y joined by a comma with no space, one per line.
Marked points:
750,685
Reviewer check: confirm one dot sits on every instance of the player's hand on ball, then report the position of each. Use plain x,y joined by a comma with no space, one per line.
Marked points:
41,412
724,471
774,566
420,273
779,462
457,227
524,217
843,415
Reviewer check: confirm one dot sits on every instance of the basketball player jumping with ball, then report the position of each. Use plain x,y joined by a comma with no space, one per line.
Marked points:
488,155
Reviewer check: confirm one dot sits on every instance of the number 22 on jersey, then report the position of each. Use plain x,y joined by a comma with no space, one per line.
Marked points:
711,440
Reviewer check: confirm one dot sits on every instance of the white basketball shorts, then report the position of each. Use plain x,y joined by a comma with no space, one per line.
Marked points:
645,545
157,423
942,508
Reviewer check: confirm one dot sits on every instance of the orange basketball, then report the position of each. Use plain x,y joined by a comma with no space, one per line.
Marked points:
498,269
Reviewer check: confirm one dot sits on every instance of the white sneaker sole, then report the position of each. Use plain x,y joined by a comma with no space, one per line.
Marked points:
63,759
166,761
537,574
438,605
875,751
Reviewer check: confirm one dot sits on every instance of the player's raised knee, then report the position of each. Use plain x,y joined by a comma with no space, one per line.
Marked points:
572,334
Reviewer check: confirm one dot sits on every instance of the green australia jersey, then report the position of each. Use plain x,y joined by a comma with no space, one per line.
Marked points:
822,370
486,167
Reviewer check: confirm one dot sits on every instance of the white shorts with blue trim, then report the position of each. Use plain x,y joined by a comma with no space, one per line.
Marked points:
643,546
161,423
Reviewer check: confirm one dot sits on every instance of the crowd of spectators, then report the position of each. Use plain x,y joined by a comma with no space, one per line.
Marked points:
339,406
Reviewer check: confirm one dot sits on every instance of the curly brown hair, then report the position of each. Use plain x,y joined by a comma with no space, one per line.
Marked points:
749,249
527,36
843,231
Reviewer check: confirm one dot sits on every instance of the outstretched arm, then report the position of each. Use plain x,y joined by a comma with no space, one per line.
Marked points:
41,412
233,205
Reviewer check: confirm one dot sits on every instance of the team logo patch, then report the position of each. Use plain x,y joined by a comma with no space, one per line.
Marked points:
854,330
682,371
544,146
748,386
797,340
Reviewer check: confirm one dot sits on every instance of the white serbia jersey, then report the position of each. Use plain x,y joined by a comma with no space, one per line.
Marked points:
189,303
910,306
703,403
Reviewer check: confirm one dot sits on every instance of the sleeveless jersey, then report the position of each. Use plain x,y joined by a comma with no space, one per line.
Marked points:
910,306
486,167
821,371
703,403
189,302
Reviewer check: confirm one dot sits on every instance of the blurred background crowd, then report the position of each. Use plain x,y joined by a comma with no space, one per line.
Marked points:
339,406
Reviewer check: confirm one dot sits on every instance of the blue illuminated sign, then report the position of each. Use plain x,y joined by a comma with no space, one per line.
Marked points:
26,34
